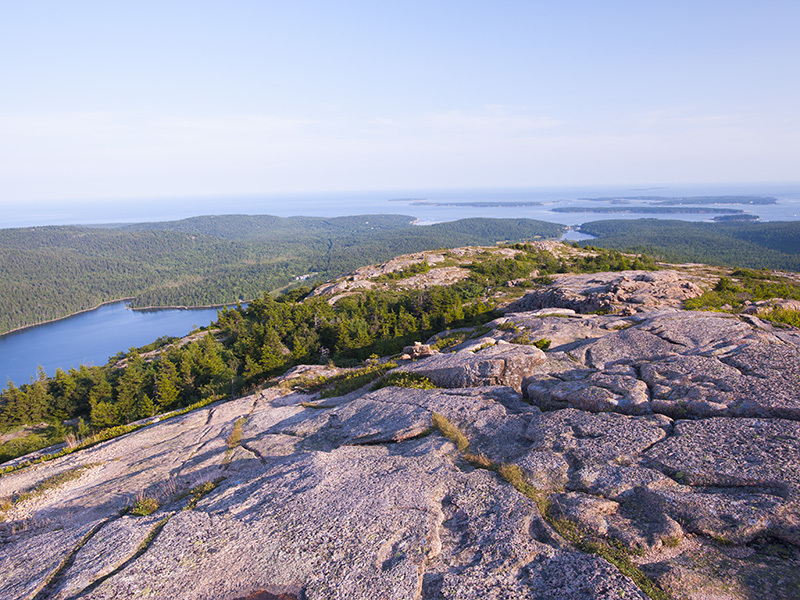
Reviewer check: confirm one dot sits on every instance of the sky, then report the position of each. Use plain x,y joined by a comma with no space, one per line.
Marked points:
115,99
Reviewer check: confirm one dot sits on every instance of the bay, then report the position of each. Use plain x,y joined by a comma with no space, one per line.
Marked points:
426,205
91,337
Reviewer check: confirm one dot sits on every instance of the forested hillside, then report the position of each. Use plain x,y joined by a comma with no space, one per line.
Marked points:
51,272
772,245
251,344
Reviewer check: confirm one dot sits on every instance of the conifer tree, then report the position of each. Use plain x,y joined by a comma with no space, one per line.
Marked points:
167,386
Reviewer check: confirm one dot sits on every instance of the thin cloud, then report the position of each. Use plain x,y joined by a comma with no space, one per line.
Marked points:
495,121
684,117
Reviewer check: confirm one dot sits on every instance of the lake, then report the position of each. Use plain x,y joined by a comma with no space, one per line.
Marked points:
91,337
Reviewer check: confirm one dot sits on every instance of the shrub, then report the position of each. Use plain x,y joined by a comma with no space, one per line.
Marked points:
542,344
783,315
405,380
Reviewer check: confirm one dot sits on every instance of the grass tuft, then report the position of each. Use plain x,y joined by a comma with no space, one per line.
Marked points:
235,438
144,505
450,431
450,340
315,406
201,490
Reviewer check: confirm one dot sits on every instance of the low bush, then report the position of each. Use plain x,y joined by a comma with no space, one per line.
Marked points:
344,383
405,380
542,344
783,315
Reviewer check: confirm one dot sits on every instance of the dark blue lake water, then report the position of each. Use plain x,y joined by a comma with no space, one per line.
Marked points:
89,338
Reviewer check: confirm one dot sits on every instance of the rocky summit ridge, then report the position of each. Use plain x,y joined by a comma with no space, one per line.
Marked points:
640,450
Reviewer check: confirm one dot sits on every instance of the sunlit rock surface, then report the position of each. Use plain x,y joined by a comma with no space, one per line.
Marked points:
672,435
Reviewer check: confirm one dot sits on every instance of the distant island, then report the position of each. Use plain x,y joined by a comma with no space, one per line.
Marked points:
653,209
746,217
665,201
489,204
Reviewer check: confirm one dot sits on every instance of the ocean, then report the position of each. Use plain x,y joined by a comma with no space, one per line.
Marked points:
427,205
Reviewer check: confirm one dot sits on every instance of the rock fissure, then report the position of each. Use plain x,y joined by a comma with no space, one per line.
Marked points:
149,540
254,452
54,580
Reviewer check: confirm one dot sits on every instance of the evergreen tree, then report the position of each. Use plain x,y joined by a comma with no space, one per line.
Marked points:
35,400
144,407
13,410
167,386
63,388
130,388
104,414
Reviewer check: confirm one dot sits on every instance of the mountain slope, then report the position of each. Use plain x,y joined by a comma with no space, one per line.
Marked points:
648,452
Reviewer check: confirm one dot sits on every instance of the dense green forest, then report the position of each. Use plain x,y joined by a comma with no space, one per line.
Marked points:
772,245
51,272
249,344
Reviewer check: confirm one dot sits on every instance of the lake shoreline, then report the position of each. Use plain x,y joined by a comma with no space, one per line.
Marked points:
57,319
109,302
181,307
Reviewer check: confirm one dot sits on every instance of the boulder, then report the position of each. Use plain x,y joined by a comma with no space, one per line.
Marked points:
417,351
502,364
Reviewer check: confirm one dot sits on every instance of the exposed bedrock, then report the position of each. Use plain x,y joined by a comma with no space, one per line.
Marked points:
680,364
590,292
671,435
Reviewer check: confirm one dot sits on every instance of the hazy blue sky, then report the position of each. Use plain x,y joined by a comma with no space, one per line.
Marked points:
119,98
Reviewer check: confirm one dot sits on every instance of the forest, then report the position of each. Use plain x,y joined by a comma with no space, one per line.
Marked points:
248,345
771,245
51,272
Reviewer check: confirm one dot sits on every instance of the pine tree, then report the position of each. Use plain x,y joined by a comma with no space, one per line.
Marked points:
12,404
35,400
144,407
63,388
130,388
167,385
